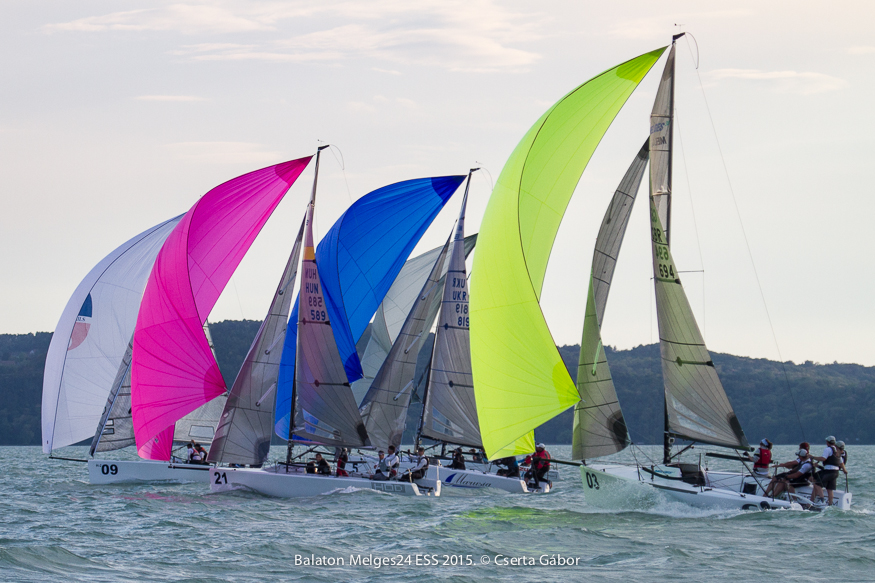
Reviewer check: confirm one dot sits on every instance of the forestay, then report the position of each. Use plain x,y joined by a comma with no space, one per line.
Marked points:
173,371
384,407
599,426
696,403
92,336
524,383
449,410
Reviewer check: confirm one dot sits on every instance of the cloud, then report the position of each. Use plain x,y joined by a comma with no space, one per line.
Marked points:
861,50
183,18
460,35
804,83
169,98
223,153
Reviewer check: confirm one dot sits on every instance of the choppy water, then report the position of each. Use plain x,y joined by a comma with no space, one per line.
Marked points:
54,525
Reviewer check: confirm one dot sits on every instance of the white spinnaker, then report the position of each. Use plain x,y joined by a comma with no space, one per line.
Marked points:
91,337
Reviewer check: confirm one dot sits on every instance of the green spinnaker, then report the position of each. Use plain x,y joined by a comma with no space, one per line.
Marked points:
520,380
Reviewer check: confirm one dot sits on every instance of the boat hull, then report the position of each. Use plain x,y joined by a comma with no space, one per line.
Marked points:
274,481
102,471
472,480
618,485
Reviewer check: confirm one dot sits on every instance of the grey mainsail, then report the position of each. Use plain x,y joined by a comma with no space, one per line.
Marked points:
394,309
449,408
599,426
696,404
246,425
384,407
661,131
116,427
325,409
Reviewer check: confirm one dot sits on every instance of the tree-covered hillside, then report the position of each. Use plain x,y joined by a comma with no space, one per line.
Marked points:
836,399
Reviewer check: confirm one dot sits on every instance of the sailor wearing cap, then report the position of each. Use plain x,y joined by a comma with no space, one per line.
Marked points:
762,459
540,466
826,478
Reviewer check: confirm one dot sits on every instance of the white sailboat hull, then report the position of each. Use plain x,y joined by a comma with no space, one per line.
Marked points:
103,471
618,485
472,479
274,481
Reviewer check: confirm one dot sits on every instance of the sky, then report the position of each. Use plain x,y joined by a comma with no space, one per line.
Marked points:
116,115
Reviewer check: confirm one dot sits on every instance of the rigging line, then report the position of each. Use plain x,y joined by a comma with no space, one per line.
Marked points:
491,183
749,252
239,303
695,223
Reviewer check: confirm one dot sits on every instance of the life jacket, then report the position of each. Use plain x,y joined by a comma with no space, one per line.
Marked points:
807,472
833,460
541,460
765,458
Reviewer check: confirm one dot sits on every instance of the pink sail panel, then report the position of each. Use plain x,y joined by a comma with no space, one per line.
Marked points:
173,371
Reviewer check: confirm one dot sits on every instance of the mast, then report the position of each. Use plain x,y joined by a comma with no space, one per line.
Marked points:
309,219
669,118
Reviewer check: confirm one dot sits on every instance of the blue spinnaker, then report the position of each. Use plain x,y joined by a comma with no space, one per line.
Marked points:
358,260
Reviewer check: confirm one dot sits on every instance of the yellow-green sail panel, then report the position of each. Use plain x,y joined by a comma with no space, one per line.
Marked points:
520,380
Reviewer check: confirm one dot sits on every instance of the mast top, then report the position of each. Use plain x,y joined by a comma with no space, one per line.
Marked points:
320,148
675,37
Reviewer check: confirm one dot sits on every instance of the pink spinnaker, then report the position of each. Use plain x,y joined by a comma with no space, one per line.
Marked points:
173,371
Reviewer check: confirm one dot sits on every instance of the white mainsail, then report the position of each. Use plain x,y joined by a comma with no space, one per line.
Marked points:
244,432
449,408
661,132
91,339
599,426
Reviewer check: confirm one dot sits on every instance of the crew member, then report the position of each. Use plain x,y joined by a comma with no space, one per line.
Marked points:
511,469
393,461
762,459
382,472
319,466
540,466
420,466
458,462
341,463
799,477
826,478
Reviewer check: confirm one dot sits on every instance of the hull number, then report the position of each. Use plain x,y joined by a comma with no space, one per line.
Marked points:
221,478
592,481
108,469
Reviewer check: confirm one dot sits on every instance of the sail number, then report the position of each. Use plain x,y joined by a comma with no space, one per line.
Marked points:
318,315
666,271
592,481
221,478
314,301
108,469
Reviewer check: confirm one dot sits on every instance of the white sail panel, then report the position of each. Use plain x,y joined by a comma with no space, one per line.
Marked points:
696,403
599,426
91,337
450,410
246,426
384,407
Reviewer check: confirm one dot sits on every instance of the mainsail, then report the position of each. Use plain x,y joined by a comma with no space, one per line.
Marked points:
244,432
520,380
384,407
358,260
661,133
696,404
173,371
599,426
325,411
449,411
394,309
91,338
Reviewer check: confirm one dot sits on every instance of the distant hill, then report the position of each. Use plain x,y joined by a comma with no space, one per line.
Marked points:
832,399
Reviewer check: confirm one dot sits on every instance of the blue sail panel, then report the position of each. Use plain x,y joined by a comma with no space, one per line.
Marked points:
358,259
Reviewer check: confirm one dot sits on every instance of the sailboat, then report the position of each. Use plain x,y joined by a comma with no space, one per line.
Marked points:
322,406
520,380
697,409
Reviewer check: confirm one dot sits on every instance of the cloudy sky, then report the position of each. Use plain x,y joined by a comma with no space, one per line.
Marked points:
117,115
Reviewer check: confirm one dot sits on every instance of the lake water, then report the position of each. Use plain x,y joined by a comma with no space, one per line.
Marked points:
54,525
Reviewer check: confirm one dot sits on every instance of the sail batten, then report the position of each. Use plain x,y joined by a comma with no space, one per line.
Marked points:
520,380
599,426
